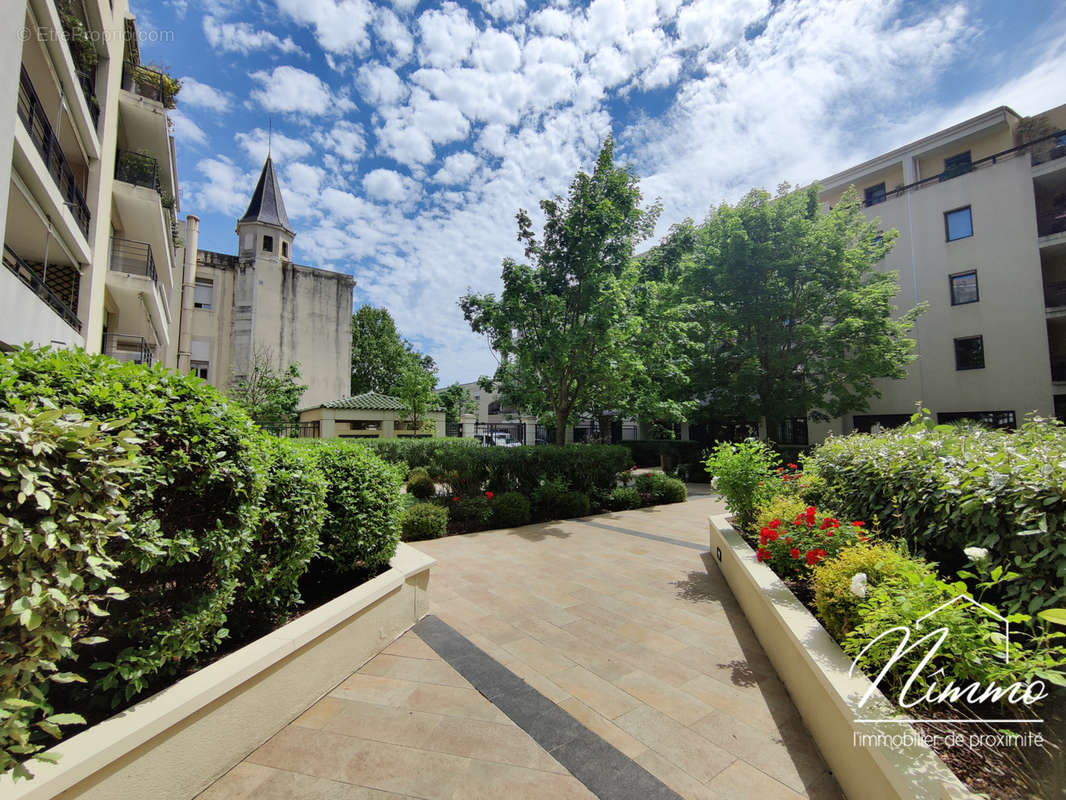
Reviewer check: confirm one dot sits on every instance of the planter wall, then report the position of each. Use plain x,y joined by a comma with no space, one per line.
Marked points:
174,744
815,670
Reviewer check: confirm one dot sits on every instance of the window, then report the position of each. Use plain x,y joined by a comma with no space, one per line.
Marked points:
964,288
793,431
494,407
268,244
958,223
875,194
956,165
970,353
994,419
199,369
284,249
864,423
204,294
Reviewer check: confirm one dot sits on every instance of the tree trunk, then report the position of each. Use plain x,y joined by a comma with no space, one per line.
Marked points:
562,415
604,423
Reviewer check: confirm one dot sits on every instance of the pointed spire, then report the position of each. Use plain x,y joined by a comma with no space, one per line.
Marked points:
267,206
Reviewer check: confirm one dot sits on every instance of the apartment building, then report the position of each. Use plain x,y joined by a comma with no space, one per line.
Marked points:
981,212
93,251
88,221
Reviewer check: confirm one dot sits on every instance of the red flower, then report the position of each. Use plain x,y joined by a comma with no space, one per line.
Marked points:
488,495
815,555
780,470
768,535
792,466
455,499
633,467
776,523
794,552
864,538
829,522
788,540
763,554
859,524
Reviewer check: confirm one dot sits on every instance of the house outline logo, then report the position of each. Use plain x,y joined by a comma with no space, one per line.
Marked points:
988,610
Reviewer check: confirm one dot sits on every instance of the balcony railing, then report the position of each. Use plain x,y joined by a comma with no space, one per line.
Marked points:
1050,222
127,348
1033,147
1055,294
148,83
88,88
36,284
34,117
132,257
139,169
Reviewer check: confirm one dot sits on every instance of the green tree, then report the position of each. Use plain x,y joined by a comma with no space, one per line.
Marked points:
569,329
379,354
415,390
456,401
269,394
795,320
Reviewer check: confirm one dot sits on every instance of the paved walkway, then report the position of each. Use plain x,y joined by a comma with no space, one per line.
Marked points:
620,620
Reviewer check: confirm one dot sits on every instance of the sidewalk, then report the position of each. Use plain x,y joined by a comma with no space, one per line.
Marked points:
619,619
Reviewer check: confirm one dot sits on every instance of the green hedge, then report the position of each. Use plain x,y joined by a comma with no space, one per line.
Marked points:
363,507
424,521
61,479
416,452
193,507
945,488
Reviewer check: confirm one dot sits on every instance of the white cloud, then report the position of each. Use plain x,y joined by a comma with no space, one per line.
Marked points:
394,35
282,148
200,95
340,25
445,36
457,168
224,187
347,139
410,131
497,52
505,10
185,130
289,89
389,185
241,37
380,85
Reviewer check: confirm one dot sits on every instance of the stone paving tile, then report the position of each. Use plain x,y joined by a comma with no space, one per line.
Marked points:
639,640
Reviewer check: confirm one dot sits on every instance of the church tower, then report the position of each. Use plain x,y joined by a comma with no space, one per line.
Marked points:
264,231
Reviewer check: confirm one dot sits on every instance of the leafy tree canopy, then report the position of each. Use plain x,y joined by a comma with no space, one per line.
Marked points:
456,401
270,394
415,390
379,354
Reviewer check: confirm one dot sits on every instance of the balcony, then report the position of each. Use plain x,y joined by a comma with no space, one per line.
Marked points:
1056,150
133,258
1051,222
127,348
88,88
139,169
33,116
1055,294
36,280
149,84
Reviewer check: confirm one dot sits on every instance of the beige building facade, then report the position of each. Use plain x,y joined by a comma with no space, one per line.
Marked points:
94,254
981,212
366,416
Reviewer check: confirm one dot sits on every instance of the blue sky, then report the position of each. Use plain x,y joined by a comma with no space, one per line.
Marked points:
407,134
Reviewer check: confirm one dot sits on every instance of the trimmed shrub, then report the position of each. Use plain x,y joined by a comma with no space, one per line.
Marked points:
744,474
473,510
193,507
60,514
424,521
836,594
287,538
509,510
422,486
660,488
546,498
417,452
943,488
416,473
363,507
624,498
572,504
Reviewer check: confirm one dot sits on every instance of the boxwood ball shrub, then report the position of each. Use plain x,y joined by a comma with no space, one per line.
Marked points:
660,488
363,507
193,507
471,510
944,488
61,515
572,504
624,498
287,536
509,510
421,485
424,521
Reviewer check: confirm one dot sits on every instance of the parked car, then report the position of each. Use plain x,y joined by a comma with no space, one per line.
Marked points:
496,439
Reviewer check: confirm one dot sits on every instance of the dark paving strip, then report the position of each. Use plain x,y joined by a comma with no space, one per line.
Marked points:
652,536
605,771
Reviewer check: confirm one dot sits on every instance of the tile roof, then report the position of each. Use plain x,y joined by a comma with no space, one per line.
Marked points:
370,401
266,205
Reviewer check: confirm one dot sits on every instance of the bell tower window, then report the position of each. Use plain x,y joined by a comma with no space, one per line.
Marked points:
268,244
284,249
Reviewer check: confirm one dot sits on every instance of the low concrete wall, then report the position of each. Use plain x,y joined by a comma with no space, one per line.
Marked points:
815,670
172,745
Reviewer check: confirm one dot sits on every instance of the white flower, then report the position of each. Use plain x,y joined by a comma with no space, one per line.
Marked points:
975,553
714,483
858,584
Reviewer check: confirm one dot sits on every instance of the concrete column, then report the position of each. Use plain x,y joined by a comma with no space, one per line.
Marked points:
388,429
531,432
910,170
684,432
14,11
188,292
328,427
